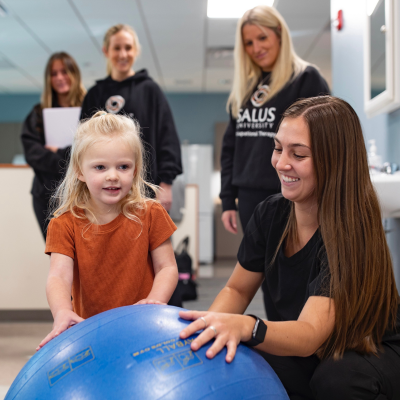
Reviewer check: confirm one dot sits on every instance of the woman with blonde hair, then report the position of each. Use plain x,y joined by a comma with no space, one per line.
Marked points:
62,88
268,78
333,328
135,94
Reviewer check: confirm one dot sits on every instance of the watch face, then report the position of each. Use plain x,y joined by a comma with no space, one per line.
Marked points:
255,328
259,331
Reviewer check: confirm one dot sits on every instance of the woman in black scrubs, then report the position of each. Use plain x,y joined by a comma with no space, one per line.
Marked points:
333,329
134,93
62,88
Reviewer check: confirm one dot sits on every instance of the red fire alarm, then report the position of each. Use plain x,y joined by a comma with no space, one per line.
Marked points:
338,22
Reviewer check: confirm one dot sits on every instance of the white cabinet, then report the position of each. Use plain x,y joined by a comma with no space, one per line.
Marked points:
382,57
197,169
206,238
23,264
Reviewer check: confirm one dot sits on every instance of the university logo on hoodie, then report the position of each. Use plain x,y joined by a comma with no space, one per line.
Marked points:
114,104
255,120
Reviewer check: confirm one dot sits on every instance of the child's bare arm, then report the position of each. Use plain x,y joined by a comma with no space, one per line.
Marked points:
166,274
58,290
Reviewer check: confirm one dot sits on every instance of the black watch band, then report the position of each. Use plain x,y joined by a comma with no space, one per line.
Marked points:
259,332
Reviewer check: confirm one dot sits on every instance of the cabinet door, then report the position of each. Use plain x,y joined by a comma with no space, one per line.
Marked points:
381,57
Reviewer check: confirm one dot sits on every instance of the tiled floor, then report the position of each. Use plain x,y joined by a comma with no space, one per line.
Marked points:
18,340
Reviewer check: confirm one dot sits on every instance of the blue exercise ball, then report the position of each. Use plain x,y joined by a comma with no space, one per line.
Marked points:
135,352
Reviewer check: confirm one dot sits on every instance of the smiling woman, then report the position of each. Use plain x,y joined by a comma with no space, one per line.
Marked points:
135,94
262,44
62,88
293,161
268,78
121,47
333,328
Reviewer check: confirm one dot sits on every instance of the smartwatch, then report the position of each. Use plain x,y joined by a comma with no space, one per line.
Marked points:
259,332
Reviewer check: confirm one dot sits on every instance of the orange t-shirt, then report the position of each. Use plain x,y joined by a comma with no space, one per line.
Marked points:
112,262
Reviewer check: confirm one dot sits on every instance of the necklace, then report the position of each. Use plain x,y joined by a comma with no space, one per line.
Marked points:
259,96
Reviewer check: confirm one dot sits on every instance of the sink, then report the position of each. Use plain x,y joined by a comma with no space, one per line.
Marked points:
388,190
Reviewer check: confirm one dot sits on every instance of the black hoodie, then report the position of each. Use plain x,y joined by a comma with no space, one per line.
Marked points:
142,99
248,141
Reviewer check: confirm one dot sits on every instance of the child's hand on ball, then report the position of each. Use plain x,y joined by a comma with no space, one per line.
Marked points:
63,320
150,301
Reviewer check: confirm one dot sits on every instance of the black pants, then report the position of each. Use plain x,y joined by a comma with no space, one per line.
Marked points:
41,208
248,200
354,377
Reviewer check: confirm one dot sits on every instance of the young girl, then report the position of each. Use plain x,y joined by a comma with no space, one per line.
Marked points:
108,242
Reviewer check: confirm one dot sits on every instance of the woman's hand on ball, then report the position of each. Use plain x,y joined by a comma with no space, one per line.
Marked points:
230,328
63,320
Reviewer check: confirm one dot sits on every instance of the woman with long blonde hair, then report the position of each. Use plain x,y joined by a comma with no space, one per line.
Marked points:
62,88
333,328
134,93
108,242
269,76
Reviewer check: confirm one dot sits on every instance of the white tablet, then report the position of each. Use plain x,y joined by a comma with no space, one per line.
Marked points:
60,124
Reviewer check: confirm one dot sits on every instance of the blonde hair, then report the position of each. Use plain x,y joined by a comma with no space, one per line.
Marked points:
112,31
77,91
246,73
73,195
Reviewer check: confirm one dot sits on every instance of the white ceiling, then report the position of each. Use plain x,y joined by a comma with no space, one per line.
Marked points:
174,34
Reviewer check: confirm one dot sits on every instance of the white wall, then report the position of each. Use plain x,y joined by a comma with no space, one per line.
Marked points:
347,83
23,264
348,69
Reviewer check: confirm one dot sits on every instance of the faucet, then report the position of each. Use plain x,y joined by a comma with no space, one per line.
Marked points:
389,168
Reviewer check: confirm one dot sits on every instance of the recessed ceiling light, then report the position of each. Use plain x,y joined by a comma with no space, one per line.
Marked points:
371,6
233,8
